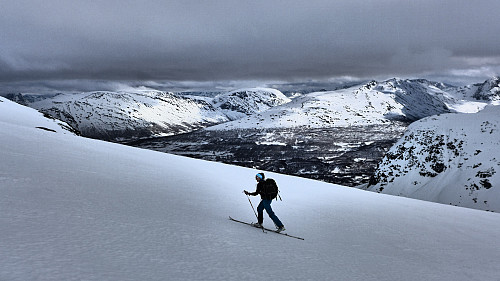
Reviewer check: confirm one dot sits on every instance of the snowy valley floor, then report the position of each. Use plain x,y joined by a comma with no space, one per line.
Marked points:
78,209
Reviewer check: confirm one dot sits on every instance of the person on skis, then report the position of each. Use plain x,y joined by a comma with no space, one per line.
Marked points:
265,203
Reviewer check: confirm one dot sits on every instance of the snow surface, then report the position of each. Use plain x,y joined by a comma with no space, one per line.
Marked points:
12,113
79,209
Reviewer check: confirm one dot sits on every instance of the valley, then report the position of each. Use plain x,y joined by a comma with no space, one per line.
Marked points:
341,155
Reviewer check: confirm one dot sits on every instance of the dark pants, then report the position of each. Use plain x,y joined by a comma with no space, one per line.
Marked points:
266,204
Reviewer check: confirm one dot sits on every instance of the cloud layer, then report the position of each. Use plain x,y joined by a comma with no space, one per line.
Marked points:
246,40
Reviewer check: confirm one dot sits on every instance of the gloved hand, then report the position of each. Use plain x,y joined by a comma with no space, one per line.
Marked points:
246,192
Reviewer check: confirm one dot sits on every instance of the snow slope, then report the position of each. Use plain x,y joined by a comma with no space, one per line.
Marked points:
11,113
373,103
452,159
80,209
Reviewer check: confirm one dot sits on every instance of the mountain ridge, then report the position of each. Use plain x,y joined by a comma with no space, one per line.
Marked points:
119,116
142,116
371,103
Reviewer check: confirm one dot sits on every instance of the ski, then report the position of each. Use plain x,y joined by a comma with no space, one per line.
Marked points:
271,230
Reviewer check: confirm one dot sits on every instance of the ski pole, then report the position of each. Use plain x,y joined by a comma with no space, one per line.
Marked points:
254,211
253,208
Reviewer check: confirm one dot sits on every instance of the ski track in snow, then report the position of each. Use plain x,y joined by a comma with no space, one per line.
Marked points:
80,209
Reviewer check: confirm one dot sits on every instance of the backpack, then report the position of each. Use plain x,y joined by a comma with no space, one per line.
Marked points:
271,189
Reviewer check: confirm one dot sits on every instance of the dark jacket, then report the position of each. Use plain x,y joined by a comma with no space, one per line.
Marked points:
261,190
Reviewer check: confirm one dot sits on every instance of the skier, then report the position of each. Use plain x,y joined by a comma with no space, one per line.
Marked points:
265,203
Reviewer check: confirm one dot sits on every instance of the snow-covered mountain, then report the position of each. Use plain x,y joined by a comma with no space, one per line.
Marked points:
241,103
73,208
112,116
488,91
372,103
127,115
451,159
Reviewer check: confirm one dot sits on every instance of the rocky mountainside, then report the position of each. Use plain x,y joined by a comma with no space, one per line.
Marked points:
451,159
119,116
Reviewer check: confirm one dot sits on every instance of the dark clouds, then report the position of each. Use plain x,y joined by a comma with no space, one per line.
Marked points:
246,40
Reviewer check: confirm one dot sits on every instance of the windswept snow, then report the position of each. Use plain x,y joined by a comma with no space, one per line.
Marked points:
80,209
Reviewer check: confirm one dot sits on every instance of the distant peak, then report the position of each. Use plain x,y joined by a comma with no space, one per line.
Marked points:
495,80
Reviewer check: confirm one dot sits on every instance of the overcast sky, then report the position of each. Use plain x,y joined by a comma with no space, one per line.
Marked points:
292,40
